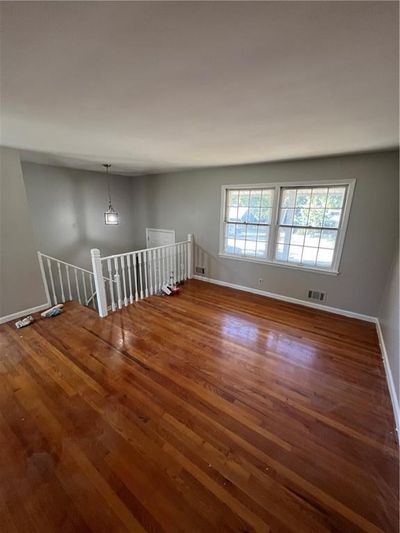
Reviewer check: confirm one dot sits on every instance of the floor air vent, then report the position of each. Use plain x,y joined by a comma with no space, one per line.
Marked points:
319,296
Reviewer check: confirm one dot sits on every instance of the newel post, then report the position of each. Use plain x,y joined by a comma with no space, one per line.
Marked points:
43,273
190,255
99,282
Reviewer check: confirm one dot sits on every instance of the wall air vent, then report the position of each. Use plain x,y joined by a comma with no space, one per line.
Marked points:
318,296
200,270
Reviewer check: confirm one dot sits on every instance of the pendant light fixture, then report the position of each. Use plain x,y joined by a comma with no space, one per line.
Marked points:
111,217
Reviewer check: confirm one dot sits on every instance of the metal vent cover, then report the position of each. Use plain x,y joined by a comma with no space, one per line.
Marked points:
319,296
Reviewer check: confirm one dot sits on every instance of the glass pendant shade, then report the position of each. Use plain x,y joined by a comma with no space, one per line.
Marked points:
111,217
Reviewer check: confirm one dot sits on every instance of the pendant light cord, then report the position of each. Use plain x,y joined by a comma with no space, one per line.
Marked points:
107,167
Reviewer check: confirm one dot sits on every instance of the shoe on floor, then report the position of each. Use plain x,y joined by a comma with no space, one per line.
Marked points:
53,311
24,322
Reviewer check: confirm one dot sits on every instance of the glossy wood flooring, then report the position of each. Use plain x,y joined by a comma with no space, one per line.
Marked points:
213,411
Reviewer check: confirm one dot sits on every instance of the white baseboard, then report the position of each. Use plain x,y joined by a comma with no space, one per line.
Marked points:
389,379
24,312
289,299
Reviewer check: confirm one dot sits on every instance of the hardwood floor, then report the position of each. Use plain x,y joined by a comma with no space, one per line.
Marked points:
216,410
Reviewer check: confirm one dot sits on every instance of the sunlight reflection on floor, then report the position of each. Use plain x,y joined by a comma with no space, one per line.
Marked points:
232,326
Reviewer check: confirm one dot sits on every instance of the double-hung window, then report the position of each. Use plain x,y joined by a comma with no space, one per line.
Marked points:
248,215
300,225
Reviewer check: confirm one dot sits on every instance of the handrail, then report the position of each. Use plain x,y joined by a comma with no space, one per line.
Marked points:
64,263
144,250
72,266
132,275
63,288
140,273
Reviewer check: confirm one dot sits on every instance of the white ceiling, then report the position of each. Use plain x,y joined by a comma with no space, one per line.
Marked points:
154,86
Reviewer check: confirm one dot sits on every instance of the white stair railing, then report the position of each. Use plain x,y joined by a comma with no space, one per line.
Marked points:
139,274
65,282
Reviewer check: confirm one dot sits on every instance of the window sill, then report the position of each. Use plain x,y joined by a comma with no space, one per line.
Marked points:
316,270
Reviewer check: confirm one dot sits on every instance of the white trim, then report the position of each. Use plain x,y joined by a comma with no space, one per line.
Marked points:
389,379
342,229
273,228
301,183
25,312
289,299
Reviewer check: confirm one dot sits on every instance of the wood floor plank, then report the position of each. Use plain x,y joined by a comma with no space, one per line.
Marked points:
216,410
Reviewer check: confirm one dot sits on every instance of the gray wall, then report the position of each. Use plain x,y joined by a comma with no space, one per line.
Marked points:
67,208
389,320
21,284
190,202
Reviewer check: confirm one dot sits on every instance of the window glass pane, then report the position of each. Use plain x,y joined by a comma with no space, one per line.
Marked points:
255,198
288,197
332,218
324,258
303,198
286,217
240,231
267,198
265,215
250,248
233,214
253,215
261,249
240,238
233,198
297,236
312,237
239,250
336,197
263,233
316,218
243,214
318,197
295,254
251,233
244,198
309,256
282,252
284,235
230,231
300,217
328,238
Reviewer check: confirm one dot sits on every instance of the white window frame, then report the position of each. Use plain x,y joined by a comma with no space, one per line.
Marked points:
278,187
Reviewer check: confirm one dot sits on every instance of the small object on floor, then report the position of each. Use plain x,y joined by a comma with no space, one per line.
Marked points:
166,290
53,311
170,290
24,322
